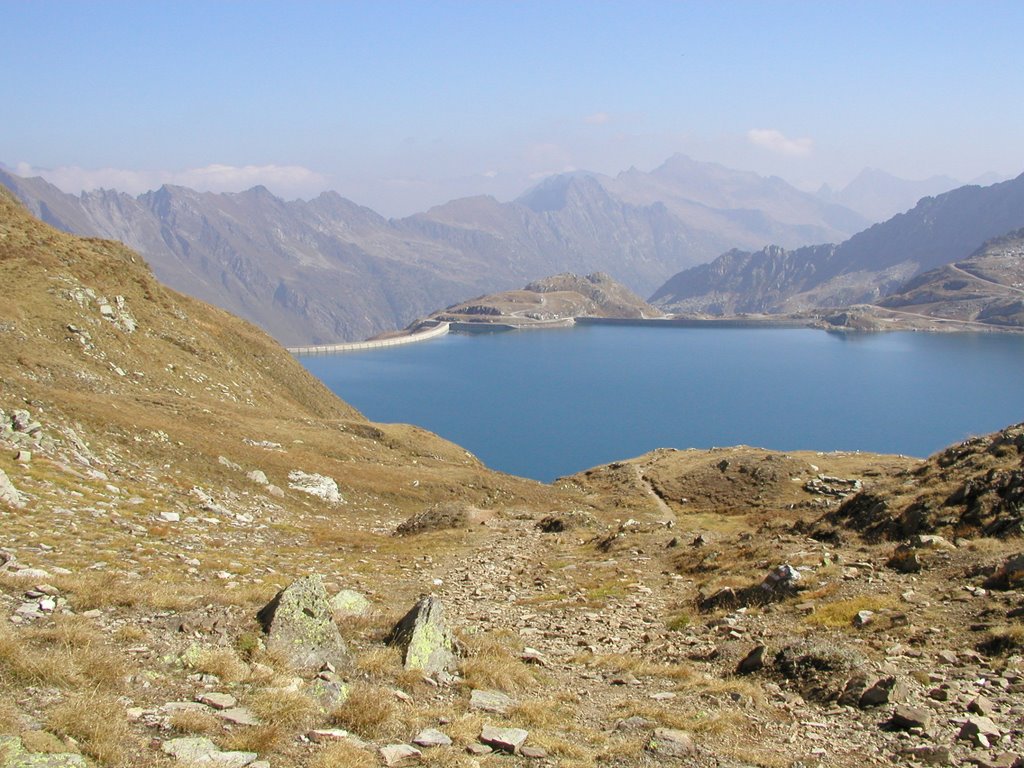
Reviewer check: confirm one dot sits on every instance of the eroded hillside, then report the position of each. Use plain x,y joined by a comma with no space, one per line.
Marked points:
166,469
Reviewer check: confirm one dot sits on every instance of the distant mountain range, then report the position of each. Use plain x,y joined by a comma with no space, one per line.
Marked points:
878,195
327,269
870,265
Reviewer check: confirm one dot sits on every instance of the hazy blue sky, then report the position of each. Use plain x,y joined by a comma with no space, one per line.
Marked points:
399,105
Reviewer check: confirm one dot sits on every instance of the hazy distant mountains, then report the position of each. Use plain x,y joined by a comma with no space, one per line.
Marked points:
328,269
868,266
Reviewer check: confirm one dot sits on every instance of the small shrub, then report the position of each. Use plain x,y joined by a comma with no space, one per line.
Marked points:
679,622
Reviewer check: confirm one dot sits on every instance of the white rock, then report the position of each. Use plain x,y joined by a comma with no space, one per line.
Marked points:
315,485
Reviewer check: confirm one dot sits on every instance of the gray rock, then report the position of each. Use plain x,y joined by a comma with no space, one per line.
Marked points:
979,730
504,739
348,602
882,692
257,476
490,701
10,495
189,749
431,737
14,755
238,716
300,624
217,700
424,637
752,662
671,742
981,706
536,753
905,717
315,485
863,618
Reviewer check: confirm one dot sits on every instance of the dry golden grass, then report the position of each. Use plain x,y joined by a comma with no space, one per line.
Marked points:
67,653
493,662
381,663
129,633
262,739
637,665
290,710
369,711
223,663
700,721
190,721
465,729
343,755
542,713
10,718
840,613
97,722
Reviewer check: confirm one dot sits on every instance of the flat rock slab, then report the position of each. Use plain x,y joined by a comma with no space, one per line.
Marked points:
505,739
906,717
490,701
189,749
328,735
299,622
200,750
431,737
217,700
14,755
399,754
238,716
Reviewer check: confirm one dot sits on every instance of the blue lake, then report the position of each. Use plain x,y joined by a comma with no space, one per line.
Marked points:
543,404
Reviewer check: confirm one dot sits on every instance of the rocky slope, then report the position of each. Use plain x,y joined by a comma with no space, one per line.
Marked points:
868,266
987,288
328,270
166,470
553,300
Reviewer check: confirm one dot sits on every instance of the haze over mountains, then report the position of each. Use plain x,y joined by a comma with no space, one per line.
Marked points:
328,269
868,266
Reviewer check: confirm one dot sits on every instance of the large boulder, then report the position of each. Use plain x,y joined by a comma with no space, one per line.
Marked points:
299,623
423,635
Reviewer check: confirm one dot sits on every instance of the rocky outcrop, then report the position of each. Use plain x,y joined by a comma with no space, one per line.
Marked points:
299,623
975,488
423,635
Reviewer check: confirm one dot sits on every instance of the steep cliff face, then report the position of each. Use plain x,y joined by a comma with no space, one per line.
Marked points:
863,269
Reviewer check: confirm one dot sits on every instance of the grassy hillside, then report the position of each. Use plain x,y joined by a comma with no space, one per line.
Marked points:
165,469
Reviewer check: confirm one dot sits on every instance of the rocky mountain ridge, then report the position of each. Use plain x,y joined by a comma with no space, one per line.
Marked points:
863,269
328,270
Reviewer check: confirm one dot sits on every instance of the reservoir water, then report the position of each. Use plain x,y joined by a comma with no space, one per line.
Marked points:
543,404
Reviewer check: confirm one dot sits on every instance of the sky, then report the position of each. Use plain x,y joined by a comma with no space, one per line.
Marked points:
403,105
